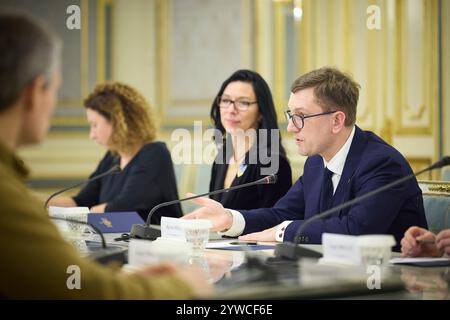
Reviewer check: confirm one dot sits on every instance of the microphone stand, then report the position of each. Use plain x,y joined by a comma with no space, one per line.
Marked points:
107,254
291,250
145,231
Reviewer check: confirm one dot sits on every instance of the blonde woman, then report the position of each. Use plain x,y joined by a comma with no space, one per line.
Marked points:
120,120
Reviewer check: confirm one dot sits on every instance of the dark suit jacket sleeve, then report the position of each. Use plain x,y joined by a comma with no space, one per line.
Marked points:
290,207
371,216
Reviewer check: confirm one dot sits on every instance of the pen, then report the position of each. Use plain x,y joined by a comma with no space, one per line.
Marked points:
425,241
244,243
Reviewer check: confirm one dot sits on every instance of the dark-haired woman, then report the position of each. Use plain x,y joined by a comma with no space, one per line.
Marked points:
250,145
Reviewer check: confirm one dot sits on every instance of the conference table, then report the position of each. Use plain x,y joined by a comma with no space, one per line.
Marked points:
252,272
258,275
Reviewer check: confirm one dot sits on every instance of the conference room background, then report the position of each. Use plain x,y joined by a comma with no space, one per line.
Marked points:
177,53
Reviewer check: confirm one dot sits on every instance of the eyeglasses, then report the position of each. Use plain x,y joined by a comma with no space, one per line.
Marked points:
240,104
299,120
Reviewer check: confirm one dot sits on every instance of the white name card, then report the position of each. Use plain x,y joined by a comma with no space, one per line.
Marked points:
67,212
356,250
144,252
176,228
340,248
173,228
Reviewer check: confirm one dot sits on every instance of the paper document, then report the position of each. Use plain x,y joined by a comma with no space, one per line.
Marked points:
422,262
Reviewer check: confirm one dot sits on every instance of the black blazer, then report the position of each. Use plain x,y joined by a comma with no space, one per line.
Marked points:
259,196
147,180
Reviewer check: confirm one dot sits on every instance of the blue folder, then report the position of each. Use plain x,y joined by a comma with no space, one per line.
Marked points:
114,222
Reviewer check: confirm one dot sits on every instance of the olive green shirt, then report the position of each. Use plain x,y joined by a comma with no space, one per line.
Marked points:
35,257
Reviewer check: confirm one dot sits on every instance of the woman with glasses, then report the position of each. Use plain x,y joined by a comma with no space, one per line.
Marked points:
249,144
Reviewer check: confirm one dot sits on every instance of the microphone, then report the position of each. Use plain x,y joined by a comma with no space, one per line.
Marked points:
145,231
114,169
291,250
108,253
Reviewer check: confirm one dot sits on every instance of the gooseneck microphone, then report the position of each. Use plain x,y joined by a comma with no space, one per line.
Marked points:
291,250
114,169
145,231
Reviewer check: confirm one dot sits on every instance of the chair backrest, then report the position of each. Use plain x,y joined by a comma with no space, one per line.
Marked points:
446,175
436,200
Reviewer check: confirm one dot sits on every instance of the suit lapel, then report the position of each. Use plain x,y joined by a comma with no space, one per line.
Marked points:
313,185
351,164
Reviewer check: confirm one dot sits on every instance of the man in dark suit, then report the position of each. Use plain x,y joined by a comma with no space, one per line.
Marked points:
343,163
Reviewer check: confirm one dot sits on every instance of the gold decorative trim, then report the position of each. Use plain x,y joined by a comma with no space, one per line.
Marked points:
331,28
246,43
72,120
305,37
348,32
415,114
434,187
84,48
191,102
371,76
386,131
300,36
257,5
429,70
67,135
162,27
445,76
100,24
398,48
69,103
386,128
279,57
440,188
84,72
433,89
112,4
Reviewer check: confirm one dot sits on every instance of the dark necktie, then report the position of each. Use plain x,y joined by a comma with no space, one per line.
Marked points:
326,194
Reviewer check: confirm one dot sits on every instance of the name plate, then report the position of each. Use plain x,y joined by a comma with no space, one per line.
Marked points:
194,232
173,228
76,213
179,228
340,248
144,252
357,250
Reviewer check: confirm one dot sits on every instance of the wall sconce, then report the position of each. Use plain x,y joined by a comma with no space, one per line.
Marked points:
297,10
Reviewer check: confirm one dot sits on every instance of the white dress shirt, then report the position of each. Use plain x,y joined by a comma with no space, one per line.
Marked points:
335,165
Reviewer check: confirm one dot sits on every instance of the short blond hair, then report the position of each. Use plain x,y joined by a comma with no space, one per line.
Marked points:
127,110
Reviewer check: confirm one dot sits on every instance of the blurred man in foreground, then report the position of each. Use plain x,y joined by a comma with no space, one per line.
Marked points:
35,257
